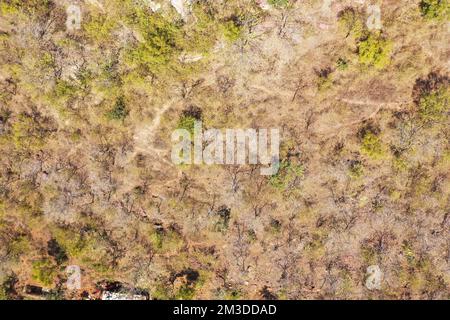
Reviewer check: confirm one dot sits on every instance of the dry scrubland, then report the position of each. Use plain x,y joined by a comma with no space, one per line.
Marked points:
85,171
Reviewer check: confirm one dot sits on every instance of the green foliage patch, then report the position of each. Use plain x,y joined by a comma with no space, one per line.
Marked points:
432,96
278,3
372,146
433,107
351,23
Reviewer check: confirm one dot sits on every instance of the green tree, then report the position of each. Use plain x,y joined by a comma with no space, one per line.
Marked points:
119,112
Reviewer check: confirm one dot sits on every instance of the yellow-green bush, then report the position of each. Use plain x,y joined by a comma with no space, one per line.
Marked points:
99,28
231,30
435,9
288,172
202,35
375,51
161,41
44,271
435,105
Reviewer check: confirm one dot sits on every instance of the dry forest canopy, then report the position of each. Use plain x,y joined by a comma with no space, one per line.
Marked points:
360,208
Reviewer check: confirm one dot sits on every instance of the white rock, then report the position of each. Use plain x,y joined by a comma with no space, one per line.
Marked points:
190,58
374,276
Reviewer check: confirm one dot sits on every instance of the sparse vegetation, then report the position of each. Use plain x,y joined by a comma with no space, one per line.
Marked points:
87,180
372,146
119,112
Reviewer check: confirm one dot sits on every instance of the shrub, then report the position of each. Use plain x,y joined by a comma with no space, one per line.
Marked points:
166,241
435,9
201,36
161,40
375,51
187,123
233,294
99,28
188,118
34,8
356,169
342,64
224,214
431,96
324,80
275,225
432,83
87,247
43,271
11,8
65,89
185,292
161,292
30,131
7,288
287,174
19,246
434,106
